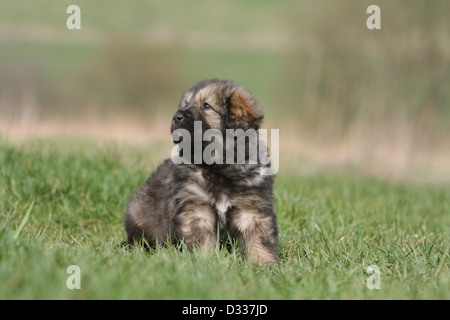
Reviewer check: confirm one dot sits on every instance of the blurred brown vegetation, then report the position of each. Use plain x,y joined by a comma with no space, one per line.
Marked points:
130,74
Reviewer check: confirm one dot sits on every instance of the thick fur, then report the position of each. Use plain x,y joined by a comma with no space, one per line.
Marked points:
197,203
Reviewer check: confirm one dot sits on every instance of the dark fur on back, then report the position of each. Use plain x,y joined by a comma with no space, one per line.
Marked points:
196,202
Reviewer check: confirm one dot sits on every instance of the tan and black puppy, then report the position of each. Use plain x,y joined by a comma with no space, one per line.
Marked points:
202,203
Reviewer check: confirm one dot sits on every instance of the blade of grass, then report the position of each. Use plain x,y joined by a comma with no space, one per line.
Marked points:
24,221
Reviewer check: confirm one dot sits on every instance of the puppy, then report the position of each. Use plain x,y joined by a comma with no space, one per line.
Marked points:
201,203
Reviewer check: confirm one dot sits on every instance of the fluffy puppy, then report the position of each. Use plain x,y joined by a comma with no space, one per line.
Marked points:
202,203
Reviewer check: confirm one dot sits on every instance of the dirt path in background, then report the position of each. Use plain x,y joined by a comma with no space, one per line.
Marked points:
297,154
130,131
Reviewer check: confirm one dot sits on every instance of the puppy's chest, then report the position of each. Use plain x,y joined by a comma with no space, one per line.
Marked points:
222,204
218,197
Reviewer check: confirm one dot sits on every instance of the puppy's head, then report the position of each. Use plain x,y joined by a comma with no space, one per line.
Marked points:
218,104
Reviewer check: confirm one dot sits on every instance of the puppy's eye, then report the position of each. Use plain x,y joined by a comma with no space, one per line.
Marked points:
206,106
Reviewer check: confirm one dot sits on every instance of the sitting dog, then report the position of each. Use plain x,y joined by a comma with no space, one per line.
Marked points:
202,204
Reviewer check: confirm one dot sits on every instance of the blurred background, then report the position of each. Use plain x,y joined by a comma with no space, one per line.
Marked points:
343,96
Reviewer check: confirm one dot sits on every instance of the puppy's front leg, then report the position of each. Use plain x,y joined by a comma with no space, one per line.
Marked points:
257,235
196,225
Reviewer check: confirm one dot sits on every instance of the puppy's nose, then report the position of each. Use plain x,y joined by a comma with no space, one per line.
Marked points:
177,117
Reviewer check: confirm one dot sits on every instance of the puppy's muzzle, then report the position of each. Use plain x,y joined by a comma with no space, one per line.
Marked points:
178,117
177,121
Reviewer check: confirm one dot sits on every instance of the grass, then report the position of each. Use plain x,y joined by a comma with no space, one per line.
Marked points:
62,204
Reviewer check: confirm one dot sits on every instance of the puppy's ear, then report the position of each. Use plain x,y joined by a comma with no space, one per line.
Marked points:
243,110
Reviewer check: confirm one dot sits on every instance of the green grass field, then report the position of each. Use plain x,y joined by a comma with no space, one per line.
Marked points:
63,203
